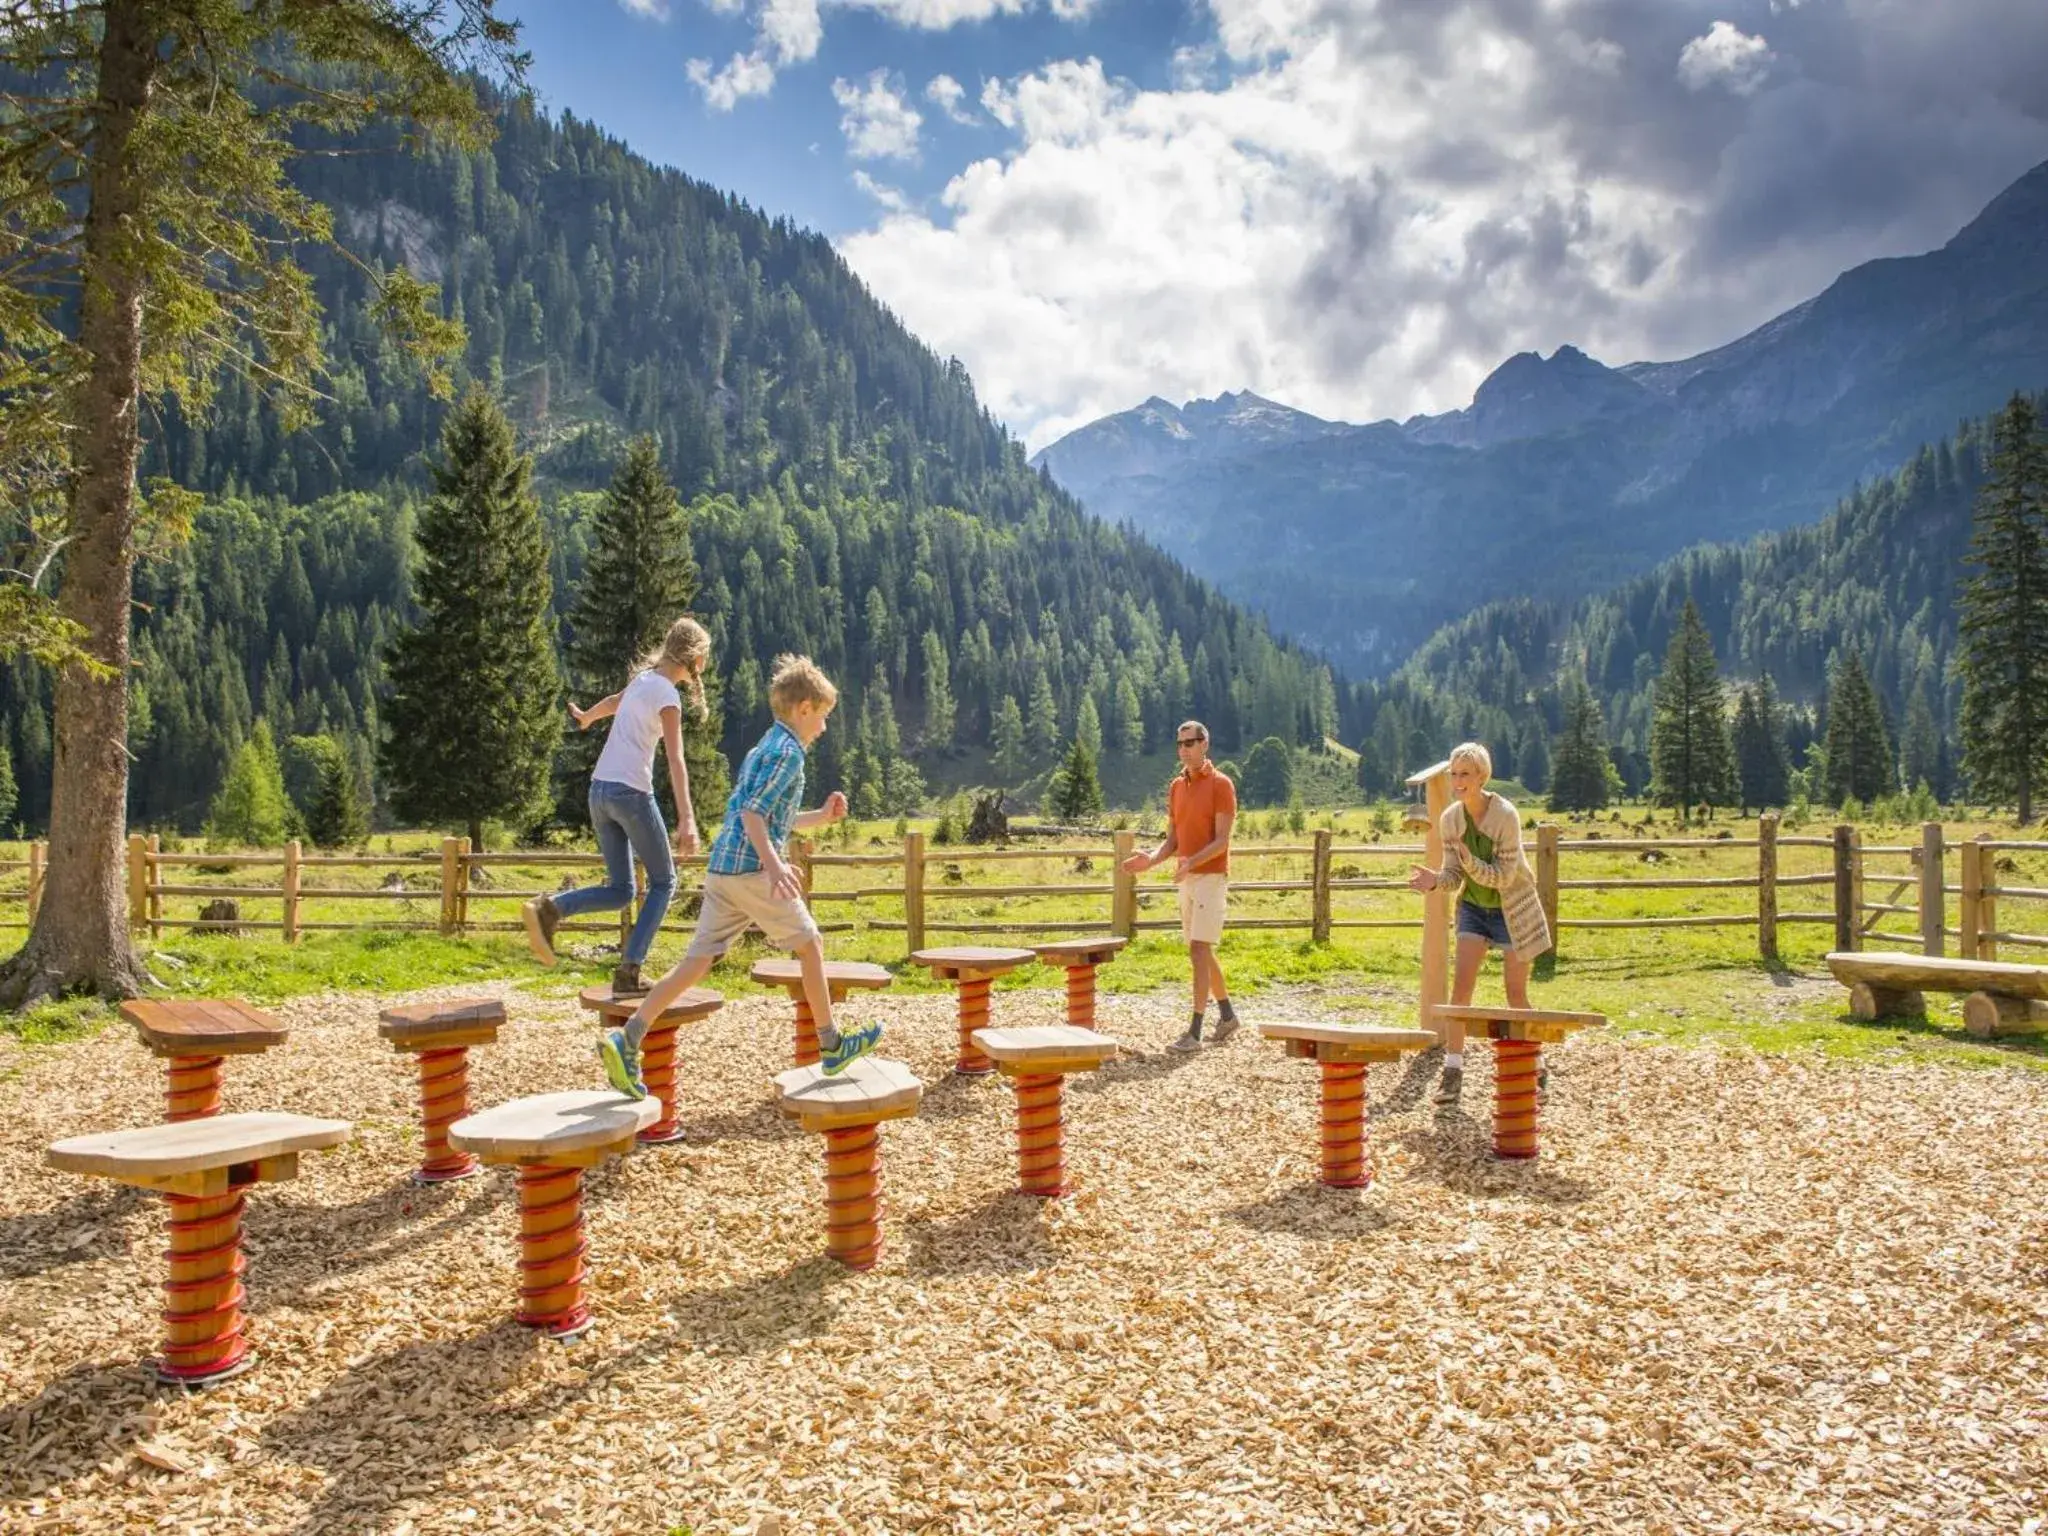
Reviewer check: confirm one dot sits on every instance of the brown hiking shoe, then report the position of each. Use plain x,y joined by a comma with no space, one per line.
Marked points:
541,921
1224,1029
626,981
1451,1088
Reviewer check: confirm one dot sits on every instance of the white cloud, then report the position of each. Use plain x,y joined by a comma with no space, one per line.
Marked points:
878,123
1725,55
653,10
946,94
889,197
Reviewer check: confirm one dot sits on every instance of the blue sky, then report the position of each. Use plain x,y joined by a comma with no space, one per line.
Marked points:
1358,207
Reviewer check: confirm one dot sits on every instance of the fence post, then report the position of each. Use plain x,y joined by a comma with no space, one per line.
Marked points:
1123,889
450,860
138,880
291,891
38,871
913,890
1970,911
1848,888
1987,903
155,871
1933,901
1546,878
1319,919
1767,885
462,886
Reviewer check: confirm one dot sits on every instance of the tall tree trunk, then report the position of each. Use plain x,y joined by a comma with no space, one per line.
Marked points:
80,939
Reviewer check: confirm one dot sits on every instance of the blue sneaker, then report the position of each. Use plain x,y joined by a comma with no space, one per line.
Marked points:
853,1044
621,1063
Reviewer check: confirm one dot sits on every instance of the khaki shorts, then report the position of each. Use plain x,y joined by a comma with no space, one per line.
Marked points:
735,903
1203,899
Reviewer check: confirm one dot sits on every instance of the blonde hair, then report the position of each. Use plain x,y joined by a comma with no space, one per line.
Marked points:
687,645
798,680
1474,753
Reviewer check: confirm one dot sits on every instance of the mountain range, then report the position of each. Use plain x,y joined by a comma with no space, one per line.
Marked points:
1565,476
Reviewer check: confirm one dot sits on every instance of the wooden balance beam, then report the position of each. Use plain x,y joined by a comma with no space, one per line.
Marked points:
1518,1036
1037,1060
193,1035
972,968
848,1110
1080,957
438,1036
201,1167
2003,997
1342,1052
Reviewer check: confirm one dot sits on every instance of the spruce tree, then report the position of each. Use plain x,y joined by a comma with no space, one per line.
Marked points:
638,579
475,706
1088,726
1692,761
1763,772
1042,719
1920,746
1075,791
9,794
251,809
2002,649
1010,762
938,695
1578,776
1859,752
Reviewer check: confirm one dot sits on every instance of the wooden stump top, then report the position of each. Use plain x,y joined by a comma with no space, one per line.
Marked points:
1934,973
1092,950
967,962
1046,1048
697,1003
1546,1025
555,1127
841,976
872,1088
197,1026
455,1021
152,1153
1375,1037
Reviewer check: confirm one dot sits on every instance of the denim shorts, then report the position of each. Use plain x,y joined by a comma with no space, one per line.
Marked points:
1488,923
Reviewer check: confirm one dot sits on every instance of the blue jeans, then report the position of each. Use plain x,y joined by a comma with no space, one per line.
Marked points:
1488,923
628,823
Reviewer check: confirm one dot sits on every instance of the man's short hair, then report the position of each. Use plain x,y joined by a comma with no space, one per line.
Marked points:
798,680
1196,726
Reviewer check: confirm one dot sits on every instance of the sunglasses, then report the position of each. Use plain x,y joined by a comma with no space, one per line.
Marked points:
1189,741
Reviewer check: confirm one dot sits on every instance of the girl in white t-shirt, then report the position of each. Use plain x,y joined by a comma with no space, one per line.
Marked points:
645,714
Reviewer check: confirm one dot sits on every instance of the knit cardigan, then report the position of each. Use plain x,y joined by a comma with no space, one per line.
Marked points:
1509,873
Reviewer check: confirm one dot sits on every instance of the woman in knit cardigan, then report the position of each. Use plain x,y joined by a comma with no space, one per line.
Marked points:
1498,907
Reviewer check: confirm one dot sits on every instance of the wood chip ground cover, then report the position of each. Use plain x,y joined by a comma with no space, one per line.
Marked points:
1738,1293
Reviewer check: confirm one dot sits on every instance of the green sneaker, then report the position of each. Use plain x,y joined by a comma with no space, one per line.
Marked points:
853,1044
621,1064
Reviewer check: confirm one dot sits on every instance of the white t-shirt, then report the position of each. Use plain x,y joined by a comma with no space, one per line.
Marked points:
628,756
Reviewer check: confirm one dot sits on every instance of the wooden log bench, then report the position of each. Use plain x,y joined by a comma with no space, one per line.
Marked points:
1518,1036
841,977
657,1046
1342,1053
848,1111
438,1036
1081,957
972,968
1037,1060
551,1138
201,1167
194,1035
2003,997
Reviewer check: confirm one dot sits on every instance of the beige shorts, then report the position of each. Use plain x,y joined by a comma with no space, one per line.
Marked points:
1203,899
735,903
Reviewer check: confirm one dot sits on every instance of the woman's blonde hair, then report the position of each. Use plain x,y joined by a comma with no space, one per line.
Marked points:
1474,753
687,645
798,680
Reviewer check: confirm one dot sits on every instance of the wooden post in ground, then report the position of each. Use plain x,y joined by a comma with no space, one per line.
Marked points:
138,880
291,892
38,871
462,852
1546,877
1319,920
1970,908
913,890
1435,784
1767,885
1123,889
1848,888
1987,903
1933,901
451,853
155,873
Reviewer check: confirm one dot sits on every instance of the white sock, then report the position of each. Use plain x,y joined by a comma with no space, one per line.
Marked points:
1454,1058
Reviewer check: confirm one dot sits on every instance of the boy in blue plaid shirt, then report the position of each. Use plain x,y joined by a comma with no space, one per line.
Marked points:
748,882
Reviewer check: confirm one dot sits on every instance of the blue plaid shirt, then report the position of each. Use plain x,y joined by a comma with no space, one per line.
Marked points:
771,783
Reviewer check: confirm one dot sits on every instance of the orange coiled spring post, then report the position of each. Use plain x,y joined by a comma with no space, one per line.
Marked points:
1515,1065
1081,996
853,1194
203,1296
973,1015
807,1052
658,1071
444,1099
551,1249
1041,1135
1347,1164
194,1091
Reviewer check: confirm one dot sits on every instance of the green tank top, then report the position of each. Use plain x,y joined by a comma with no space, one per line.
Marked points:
1482,850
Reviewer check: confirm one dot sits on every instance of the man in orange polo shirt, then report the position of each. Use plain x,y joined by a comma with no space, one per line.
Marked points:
1201,805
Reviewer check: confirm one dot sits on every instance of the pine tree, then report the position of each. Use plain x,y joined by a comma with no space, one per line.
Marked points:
1692,761
1129,719
1920,746
638,579
1010,762
1859,751
9,795
1533,753
1075,791
1042,719
475,706
2002,650
252,810
938,695
321,783
1088,727
1578,779
1763,772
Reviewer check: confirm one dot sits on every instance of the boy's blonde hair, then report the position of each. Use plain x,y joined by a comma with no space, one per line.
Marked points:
687,645
1476,754
798,680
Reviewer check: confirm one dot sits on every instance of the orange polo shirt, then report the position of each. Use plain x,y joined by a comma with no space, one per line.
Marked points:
1192,805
